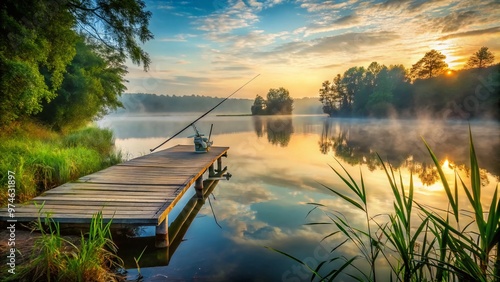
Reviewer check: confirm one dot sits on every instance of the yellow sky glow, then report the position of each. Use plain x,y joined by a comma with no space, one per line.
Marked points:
212,51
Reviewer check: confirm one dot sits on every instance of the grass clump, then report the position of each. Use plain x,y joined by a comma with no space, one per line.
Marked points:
43,159
417,242
56,259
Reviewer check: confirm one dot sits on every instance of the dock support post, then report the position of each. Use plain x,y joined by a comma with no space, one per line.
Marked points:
219,164
162,234
211,172
198,186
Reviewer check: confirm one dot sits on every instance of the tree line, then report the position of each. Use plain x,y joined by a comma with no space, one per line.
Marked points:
153,103
427,87
62,62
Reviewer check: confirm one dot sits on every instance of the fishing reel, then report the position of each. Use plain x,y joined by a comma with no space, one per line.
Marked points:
201,144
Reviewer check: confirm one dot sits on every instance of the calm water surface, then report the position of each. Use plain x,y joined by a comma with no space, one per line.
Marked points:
279,165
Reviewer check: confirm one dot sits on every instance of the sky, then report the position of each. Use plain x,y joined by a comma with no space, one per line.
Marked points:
213,47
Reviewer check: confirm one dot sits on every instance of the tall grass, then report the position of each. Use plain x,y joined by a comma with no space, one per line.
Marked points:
57,259
46,161
436,247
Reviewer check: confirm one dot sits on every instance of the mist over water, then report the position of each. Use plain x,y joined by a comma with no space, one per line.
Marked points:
277,165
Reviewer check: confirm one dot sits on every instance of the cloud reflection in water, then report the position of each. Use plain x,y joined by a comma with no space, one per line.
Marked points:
265,202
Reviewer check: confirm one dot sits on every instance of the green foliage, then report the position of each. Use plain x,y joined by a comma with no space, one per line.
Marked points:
278,102
125,22
364,92
41,39
41,164
34,52
97,139
431,65
91,86
481,59
96,257
382,91
56,259
432,249
259,106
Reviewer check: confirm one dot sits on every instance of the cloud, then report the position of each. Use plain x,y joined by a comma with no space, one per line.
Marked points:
234,68
178,38
326,5
477,32
235,15
414,5
165,7
330,66
339,23
348,42
455,21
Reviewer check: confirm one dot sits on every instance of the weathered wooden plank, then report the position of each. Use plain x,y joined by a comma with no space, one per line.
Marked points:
78,218
90,185
127,199
107,194
94,203
63,206
85,214
112,188
116,212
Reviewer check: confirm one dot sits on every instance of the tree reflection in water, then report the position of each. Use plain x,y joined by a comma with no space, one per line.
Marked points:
356,145
278,129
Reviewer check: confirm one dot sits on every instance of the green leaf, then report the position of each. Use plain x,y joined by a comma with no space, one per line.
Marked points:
444,181
353,202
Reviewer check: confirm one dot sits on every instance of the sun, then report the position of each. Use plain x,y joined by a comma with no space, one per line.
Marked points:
449,72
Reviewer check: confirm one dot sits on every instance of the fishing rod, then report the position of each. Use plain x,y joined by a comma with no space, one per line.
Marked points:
152,150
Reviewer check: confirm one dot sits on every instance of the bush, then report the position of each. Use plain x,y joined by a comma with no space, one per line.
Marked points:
44,163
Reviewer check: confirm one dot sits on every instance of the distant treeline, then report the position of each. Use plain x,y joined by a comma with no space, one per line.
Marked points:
427,89
153,103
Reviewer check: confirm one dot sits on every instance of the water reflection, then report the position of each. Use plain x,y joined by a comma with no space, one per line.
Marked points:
177,229
279,129
265,203
359,143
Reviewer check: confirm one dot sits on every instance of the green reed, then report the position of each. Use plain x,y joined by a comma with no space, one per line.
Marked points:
56,259
43,160
96,257
432,248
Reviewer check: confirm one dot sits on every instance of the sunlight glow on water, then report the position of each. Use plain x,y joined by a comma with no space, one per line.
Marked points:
279,165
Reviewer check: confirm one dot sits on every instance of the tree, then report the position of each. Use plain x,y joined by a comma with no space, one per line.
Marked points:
366,90
339,92
353,81
259,106
34,52
39,38
481,59
279,102
91,86
124,22
431,65
326,98
333,96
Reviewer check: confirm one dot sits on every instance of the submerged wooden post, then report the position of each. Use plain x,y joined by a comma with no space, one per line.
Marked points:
211,171
198,186
162,234
219,164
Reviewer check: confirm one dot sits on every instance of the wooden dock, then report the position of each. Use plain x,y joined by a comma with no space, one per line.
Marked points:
141,191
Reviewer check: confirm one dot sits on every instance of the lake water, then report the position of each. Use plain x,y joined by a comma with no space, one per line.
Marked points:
278,165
